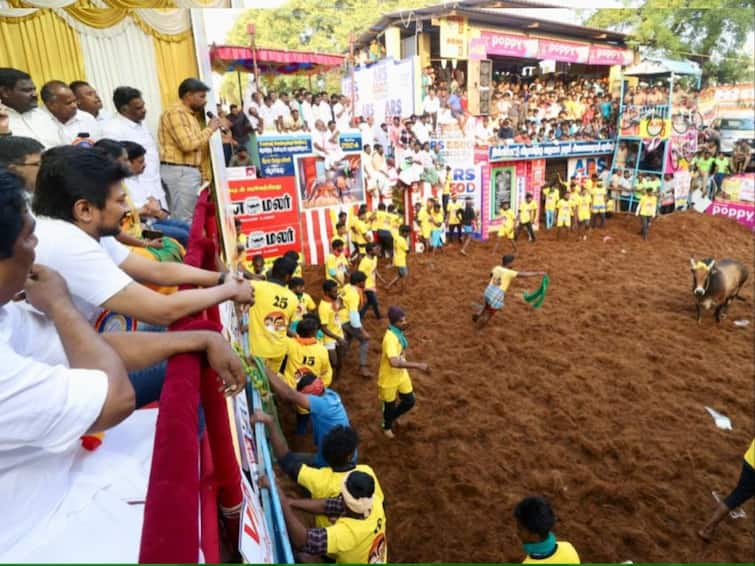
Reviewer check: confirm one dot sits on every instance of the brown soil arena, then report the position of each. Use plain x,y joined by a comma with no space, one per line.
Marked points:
595,401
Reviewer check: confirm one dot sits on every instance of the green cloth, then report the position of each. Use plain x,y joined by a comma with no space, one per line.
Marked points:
400,335
722,164
171,251
537,297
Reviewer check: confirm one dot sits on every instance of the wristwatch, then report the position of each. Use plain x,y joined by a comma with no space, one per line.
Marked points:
221,279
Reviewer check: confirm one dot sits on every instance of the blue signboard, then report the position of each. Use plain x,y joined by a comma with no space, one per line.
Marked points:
351,142
518,151
277,153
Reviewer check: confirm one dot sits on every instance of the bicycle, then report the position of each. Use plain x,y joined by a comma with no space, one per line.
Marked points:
684,120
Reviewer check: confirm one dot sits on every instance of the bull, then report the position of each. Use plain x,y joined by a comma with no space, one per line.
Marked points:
717,283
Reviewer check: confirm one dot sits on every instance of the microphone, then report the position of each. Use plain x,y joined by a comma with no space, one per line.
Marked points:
210,115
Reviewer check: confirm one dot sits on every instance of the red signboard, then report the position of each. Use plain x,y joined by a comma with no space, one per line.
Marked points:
269,213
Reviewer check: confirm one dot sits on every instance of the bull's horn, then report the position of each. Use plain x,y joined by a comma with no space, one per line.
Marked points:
692,262
711,264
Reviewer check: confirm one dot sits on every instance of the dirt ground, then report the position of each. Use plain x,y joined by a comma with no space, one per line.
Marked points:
596,401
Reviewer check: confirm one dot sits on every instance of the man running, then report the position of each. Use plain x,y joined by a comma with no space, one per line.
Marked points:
393,377
500,279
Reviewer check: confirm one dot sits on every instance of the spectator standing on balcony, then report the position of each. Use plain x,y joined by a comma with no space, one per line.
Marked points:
89,101
183,144
431,106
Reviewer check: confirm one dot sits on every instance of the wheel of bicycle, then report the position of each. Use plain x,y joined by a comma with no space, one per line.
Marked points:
696,119
679,123
655,127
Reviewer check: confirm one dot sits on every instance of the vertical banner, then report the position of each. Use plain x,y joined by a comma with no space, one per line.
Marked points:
269,213
453,37
385,89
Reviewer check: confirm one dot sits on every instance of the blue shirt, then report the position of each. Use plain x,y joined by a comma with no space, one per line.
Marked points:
327,413
454,103
605,109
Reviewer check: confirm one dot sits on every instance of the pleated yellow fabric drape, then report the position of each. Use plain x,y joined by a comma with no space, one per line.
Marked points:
43,45
176,61
97,17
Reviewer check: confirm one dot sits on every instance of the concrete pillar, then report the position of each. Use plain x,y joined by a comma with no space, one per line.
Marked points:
423,49
393,43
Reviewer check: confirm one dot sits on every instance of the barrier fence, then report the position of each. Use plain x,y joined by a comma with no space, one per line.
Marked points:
195,480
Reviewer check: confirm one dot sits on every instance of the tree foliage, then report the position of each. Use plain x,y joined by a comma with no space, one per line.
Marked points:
712,33
312,25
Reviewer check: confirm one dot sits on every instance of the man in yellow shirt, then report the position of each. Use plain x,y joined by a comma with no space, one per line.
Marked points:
495,293
400,251
305,303
369,266
337,264
453,218
339,450
382,226
393,376
744,491
583,211
447,188
599,204
506,229
436,235
563,221
534,524
306,354
273,310
329,312
352,297
424,219
359,229
527,215
551,199
646,210
356,534
183,144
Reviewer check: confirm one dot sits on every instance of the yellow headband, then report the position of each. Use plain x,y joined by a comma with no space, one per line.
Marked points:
702,265
361,506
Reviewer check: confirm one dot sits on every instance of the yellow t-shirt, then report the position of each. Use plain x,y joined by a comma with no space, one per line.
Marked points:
351,300
551,198
447,185
389,376
502,277
508,219
527,211
305,304
648,205
423,219
453,217
565,554
377,219
359,541
400,249
328,313
338,264
588,184
564,209
306,354
325,482
437,219
750,455
358,231
274,308
583,207
599,198
368,266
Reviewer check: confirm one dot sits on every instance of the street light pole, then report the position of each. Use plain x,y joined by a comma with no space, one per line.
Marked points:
352,63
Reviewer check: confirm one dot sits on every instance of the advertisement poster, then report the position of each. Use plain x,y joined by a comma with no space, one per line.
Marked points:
516,151
681,188
587,166
737,200
453,37
338,186
269,213
277,153
383,90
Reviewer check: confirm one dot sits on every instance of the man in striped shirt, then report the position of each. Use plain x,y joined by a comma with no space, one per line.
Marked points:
183,143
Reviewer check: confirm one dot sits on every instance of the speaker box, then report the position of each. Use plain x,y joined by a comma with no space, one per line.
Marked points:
480,78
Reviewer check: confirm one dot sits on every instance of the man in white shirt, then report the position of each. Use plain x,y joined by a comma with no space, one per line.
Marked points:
484,133
367,131
19,94
306,111
89,101
369,171
431,105
342,113
60,380
128,125
325,112
60,104
282,111
421,129
269,115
